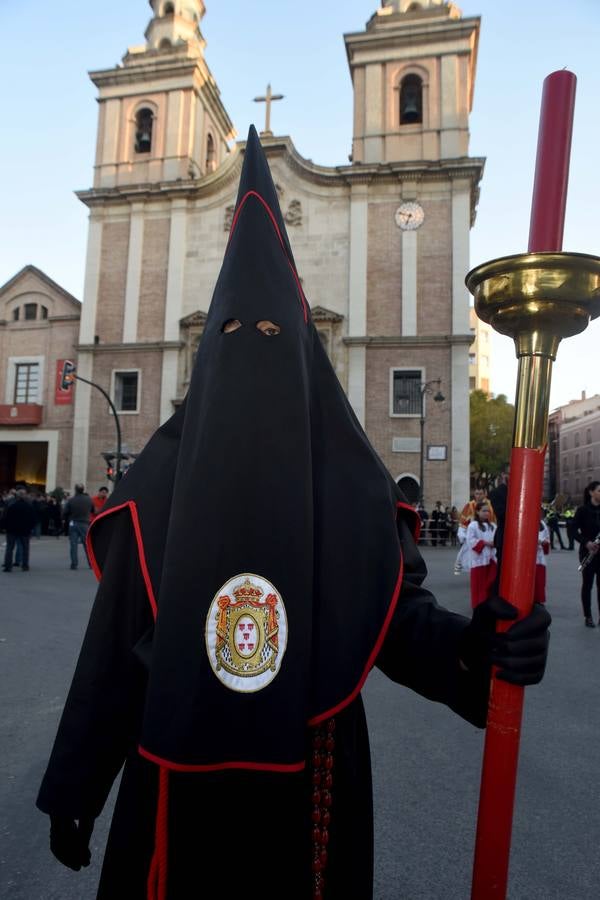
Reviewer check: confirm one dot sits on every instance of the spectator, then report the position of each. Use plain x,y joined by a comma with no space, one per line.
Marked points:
19,520
554,526
99,500
77,512
587,534
438,517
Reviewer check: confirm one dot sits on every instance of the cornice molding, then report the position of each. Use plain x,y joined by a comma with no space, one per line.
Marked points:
420,340
129,348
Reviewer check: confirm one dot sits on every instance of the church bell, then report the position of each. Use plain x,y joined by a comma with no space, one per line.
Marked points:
410,108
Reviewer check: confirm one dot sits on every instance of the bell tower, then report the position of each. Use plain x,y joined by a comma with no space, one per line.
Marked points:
161,117
413,71
163,135
414,192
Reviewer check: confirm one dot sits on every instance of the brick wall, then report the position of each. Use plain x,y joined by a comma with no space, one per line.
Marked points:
112,282
153,286
137,428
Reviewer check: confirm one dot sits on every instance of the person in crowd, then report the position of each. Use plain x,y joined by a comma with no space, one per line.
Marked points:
569,516
466,517
424,517
454,521
498,499
244,596
539,589
482,559
587,534
78,511
19,520
54,517
553,521
99,499
437,524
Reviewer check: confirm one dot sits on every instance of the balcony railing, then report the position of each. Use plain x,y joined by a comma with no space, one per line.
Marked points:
21,413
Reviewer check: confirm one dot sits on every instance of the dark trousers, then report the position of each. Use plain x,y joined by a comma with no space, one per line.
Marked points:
590,572
21,542
554,529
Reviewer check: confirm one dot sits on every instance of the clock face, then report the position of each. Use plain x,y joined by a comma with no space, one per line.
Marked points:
409,216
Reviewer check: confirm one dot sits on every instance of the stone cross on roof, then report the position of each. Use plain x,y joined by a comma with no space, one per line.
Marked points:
268,99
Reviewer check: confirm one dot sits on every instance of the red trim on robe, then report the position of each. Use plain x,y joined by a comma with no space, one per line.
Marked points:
372,657
281,241
157,875
416,524
135,520
217,767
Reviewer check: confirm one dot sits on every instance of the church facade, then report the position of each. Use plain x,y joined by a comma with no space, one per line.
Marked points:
381,243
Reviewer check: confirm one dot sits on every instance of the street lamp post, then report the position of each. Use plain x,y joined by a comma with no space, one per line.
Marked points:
116,418
426,388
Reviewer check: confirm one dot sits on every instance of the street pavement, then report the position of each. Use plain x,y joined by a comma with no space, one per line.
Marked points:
426,760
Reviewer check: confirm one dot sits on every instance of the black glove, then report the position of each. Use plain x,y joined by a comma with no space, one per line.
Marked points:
519,653
69,841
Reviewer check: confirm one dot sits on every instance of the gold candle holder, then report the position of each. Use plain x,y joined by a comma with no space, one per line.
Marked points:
537,299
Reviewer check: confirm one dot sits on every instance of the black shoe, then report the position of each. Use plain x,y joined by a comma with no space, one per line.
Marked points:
24,568
589,622
73,567
6,569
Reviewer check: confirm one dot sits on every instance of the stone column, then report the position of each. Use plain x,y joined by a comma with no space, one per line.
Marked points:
357,312
134,273
85,359
460,451
174,305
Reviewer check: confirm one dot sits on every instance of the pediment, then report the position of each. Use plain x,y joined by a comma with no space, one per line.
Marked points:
197,318
31,285
321,314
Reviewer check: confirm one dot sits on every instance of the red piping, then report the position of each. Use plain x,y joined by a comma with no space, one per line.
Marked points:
130,504
372,657
416,520
281,241
157,875
217,767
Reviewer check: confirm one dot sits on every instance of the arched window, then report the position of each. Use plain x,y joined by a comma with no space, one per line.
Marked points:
411,100
168,10
165,44
413,7
144,119
211,156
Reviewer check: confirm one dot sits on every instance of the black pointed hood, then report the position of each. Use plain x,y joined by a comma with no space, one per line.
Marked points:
271,549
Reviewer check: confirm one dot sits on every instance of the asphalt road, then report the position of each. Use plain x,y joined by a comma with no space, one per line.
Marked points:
426,760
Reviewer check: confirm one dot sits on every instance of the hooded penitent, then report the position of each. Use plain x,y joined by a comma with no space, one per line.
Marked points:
266,525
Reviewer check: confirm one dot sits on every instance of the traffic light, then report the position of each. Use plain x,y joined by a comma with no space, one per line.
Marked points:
68,375
110,469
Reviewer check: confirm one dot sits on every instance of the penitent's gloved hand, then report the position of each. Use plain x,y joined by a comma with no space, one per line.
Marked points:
69,841
519,653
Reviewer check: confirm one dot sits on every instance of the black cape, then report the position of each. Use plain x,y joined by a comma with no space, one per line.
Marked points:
259,506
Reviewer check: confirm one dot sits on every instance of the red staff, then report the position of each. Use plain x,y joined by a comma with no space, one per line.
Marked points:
537,298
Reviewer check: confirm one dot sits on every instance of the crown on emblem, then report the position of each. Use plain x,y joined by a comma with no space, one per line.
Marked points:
247,591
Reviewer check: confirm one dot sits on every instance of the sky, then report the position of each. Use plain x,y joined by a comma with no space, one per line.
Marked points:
50,119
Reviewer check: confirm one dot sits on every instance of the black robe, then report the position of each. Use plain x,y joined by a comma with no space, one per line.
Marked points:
239,831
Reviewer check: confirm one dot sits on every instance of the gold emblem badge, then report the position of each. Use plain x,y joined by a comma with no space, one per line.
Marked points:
246,633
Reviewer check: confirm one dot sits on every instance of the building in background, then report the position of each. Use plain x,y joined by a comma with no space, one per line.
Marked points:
480,353
381,242
573,448
39,329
